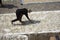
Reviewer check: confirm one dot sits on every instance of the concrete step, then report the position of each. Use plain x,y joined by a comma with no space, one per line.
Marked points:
9,8
43,22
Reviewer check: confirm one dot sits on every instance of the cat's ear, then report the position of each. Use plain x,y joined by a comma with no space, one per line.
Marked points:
30,10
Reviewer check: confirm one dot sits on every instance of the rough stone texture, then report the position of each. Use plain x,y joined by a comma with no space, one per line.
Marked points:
41,1
11,7
42,21
45,17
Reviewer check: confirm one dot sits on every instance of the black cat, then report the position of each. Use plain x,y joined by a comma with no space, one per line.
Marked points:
20,13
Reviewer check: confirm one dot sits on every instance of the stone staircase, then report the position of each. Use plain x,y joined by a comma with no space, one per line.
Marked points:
7,13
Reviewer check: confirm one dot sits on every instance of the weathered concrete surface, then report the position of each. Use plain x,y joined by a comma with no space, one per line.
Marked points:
45,16
41,1
48,6
42,21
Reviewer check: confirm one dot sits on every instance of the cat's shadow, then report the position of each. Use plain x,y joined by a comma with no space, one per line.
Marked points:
28,22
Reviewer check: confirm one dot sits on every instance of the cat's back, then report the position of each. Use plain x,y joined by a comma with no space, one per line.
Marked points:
21,10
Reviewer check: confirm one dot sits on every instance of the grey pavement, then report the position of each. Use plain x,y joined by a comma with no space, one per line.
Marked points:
48,6
45,17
